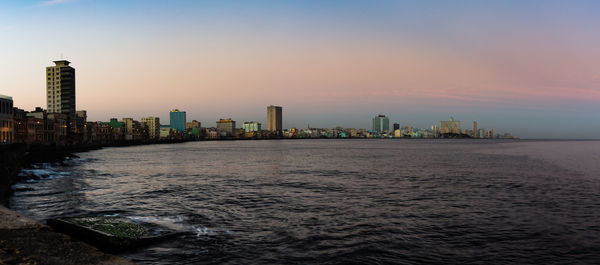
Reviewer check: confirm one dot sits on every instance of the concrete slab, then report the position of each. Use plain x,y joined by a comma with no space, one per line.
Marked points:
24,241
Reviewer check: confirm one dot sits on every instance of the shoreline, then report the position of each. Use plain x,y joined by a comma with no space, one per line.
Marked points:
25,241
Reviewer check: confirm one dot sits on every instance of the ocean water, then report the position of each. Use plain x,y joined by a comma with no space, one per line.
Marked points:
340,201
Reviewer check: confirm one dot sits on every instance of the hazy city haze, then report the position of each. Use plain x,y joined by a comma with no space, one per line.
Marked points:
531,68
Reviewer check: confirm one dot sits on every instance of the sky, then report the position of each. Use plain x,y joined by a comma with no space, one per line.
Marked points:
531,68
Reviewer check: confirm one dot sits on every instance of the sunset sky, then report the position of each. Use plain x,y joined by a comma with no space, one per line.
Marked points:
531,68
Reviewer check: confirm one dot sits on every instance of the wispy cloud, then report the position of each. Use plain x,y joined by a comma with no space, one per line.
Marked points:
53,2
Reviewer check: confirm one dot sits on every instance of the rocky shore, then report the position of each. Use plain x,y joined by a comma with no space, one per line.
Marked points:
24,241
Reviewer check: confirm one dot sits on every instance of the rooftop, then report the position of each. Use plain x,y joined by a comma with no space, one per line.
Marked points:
5,97
62,62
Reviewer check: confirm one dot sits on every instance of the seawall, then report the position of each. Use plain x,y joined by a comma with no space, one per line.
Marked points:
11,161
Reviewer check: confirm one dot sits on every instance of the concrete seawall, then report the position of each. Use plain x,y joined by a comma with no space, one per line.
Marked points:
25,241
11,161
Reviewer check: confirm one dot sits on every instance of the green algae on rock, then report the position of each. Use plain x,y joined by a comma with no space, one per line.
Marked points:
118,227
109,233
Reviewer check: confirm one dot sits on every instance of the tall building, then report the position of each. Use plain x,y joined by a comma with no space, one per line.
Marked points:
177,120
450,127
381,123
153,124
6,119
128,125
474,129
226,126
274,118
252,126
60,89
396,126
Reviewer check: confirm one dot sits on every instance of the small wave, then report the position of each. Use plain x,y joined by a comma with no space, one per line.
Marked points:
22,187
34,174
180,224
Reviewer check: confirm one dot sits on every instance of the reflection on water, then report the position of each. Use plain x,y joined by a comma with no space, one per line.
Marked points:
340,201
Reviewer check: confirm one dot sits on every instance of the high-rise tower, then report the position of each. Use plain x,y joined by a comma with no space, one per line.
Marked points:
60,89
475,135
274,118
381,123
178,120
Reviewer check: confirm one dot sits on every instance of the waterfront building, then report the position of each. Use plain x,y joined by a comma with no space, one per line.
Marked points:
450,127
469,132
396,126
274,119
128,128
398,133
6,119
252,126
19,125
60,89
192,124
114,123
139,131
90,135
80,124
58,124
81,114
226,127
435,130
474,130
490,134
193,129
212,135
381,123
153,124
104,132
165,132
481,133
177,120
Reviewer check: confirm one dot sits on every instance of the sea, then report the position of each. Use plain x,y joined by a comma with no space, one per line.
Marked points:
338,201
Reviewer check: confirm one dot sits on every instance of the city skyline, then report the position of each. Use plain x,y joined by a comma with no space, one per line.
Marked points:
530,69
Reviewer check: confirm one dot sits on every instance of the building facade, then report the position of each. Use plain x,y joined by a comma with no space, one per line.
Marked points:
60,89
475,133
6,119
153,124
194,129
128,125
381,123
274,118
450,127
177,120
192,124
252,126
226,127
481,133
